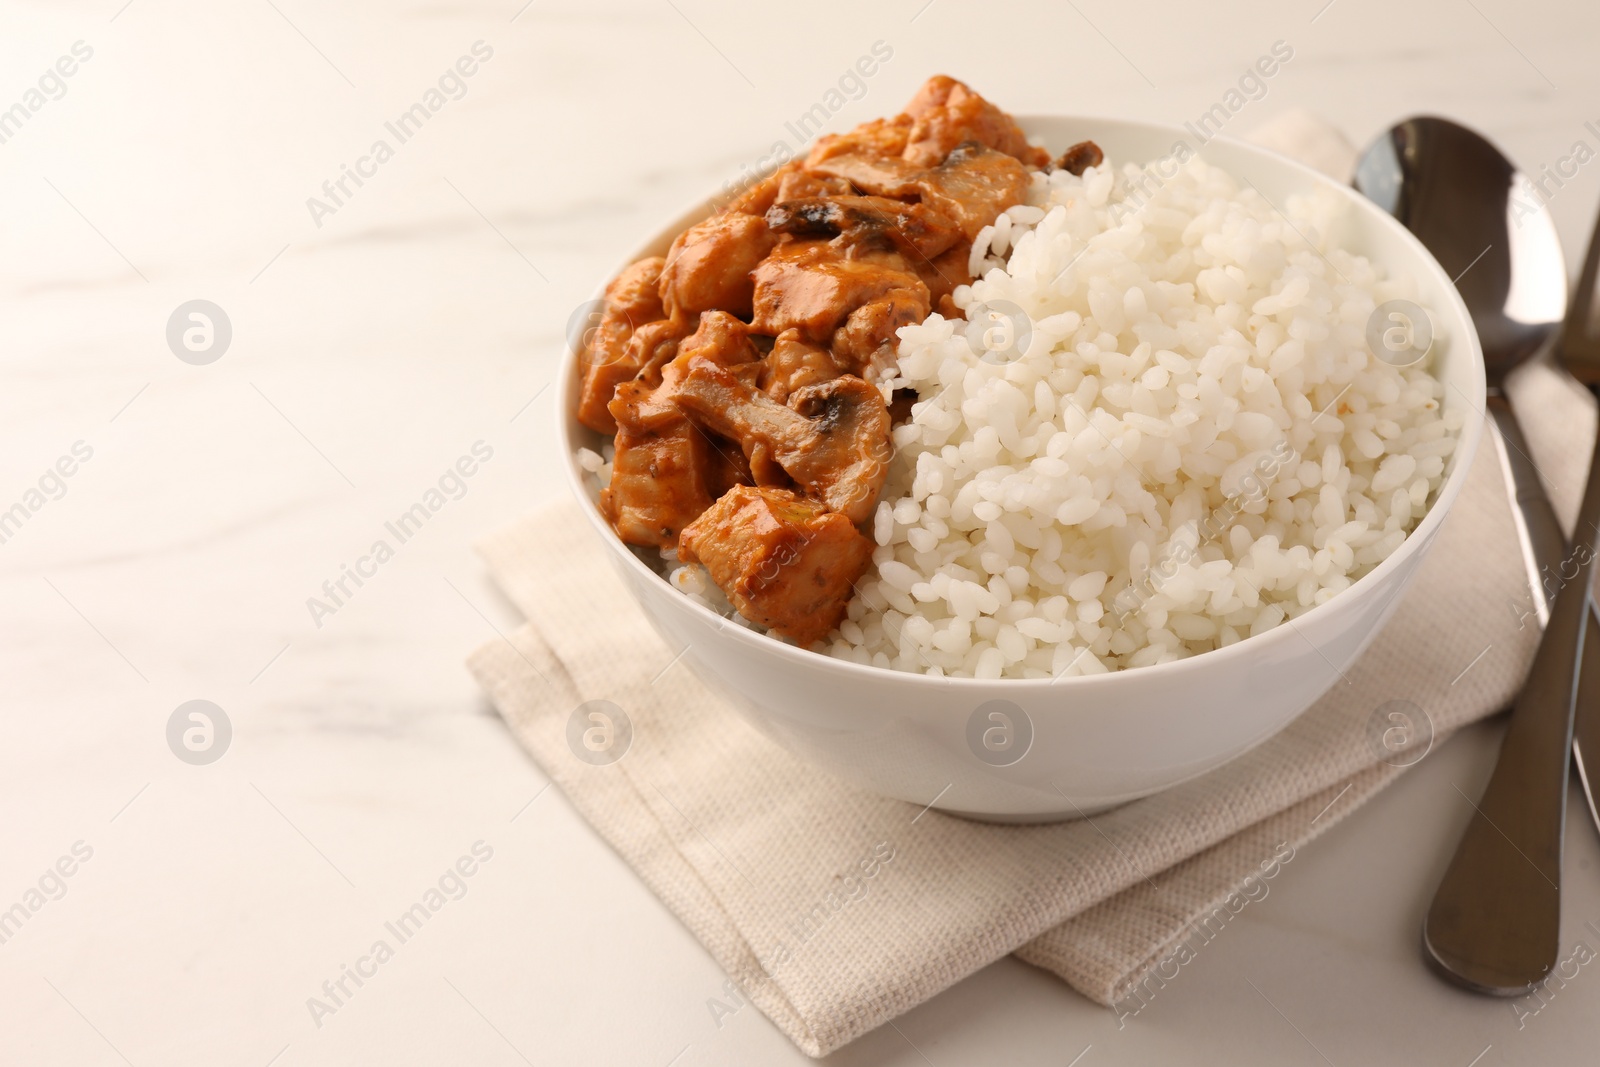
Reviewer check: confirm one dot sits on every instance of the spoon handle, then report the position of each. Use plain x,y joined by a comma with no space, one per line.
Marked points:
1495,921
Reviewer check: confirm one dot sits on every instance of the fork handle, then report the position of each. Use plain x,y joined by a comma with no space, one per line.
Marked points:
1539,532
1495,921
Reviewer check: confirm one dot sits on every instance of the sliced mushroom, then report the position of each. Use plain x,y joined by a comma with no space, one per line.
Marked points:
869,221
1079,158
876,175
832,438
973,185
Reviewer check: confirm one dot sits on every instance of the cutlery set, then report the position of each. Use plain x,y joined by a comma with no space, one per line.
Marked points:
1495,921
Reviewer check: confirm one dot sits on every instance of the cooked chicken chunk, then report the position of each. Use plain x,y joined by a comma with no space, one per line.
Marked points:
811,287
709,265
945,113
631,300
784,561
655,344
832,438
943,274
666,467
658,483
726,467
794,364
722,339
880,138
865,343
867,222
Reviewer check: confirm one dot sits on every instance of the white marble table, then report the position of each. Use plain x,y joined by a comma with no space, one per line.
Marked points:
374,341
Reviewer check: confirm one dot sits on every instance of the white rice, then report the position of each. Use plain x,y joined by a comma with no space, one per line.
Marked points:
1088,505
1195,445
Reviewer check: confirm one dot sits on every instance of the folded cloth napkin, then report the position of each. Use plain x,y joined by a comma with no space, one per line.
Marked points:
835,910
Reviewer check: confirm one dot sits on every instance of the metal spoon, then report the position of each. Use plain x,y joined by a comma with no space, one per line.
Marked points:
1453,189
1494,925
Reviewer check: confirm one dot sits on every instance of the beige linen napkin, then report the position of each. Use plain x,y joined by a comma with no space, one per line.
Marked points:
834,910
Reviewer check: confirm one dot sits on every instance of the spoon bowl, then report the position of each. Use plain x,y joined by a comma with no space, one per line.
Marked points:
1485,223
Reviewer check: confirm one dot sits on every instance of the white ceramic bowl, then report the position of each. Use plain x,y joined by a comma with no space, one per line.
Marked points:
1099,740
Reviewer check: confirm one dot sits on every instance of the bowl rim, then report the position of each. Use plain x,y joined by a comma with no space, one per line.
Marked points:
763,645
